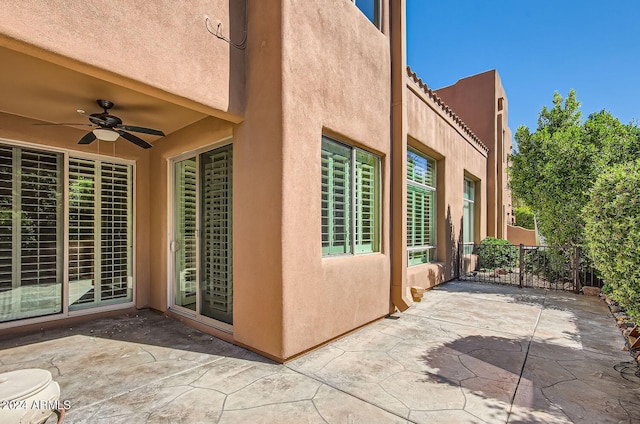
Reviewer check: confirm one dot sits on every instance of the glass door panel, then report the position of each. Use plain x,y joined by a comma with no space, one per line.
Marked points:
216,291
184,243
201,246
30,233
100,233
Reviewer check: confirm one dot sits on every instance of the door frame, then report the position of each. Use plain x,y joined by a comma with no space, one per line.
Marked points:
171,209
106,156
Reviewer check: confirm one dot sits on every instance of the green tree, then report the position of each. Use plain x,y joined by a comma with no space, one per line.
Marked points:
524,217
613,232
551,168
556,165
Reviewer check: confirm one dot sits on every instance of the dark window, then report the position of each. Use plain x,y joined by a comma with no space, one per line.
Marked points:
371,9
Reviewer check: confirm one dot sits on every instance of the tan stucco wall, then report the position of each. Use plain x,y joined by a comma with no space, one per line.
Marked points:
257,181
151,46
313,70
342,90
519,235
475,100
209,131
287,297
434,133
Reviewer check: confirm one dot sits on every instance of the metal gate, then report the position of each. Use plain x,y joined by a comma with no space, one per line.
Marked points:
549,267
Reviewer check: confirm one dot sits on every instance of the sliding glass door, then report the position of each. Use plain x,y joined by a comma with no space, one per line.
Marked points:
31,232
100,233
202,234
83,231
184,243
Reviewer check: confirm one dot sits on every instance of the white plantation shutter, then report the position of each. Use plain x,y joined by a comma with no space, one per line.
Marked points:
367,209
468,229
100,232
30,232
216,237
116,232
83,244
186,227
6,218
420,208
336,198
350,199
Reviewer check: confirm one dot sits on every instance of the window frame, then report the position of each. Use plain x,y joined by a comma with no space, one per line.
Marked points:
428,249
67,154
377,12
356,238
468,205
106,251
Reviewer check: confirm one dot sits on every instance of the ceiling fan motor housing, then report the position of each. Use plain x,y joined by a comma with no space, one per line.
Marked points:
105,120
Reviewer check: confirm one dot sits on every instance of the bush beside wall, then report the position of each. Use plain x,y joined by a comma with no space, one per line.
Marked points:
612,229
497,253
524,217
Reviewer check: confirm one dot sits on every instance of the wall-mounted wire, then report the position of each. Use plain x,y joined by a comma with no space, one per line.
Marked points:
217,31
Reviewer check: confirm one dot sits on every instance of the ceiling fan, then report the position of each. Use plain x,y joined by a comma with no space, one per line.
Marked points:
110,127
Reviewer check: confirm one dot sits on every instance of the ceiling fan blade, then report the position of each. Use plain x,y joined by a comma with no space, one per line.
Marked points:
134,139
88,138
65,123
141,130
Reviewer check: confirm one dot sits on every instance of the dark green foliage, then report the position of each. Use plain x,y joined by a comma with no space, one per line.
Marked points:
556,165
607,289
613,232
497,253
552,263
524,217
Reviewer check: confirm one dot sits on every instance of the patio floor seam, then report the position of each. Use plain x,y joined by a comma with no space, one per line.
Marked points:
145,385
324,383
526,357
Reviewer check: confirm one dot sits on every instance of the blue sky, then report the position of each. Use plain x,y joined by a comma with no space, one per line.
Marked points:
538,47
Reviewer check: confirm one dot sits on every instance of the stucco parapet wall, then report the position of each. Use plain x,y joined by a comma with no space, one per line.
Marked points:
420,89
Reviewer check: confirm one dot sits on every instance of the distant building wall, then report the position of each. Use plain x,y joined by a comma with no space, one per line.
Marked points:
481,102
519,235
439,134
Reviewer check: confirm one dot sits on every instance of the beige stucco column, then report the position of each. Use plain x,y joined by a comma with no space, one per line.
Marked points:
399,296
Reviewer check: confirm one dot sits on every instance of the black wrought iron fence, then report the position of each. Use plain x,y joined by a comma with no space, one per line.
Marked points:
550,267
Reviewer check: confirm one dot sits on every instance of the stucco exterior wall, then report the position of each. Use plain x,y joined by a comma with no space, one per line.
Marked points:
151,43
481,102
457,155
321,69
519,235
257,203
208,131
342,89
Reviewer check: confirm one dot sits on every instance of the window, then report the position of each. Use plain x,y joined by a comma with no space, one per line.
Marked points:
421,200
202,244
371,9
34,216
31,236
468,220
350,199
100,233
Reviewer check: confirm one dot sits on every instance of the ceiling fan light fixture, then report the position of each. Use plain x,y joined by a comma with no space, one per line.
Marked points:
105,134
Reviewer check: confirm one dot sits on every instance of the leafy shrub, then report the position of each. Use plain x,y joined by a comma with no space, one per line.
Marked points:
497,253
612,229
524,217
551,263
606,289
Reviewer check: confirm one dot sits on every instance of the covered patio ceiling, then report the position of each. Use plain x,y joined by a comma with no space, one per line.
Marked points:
40,90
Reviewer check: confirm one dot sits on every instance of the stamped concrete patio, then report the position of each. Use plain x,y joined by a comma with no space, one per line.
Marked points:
469,353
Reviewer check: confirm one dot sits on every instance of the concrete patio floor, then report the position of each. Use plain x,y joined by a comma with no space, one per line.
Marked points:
468,353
